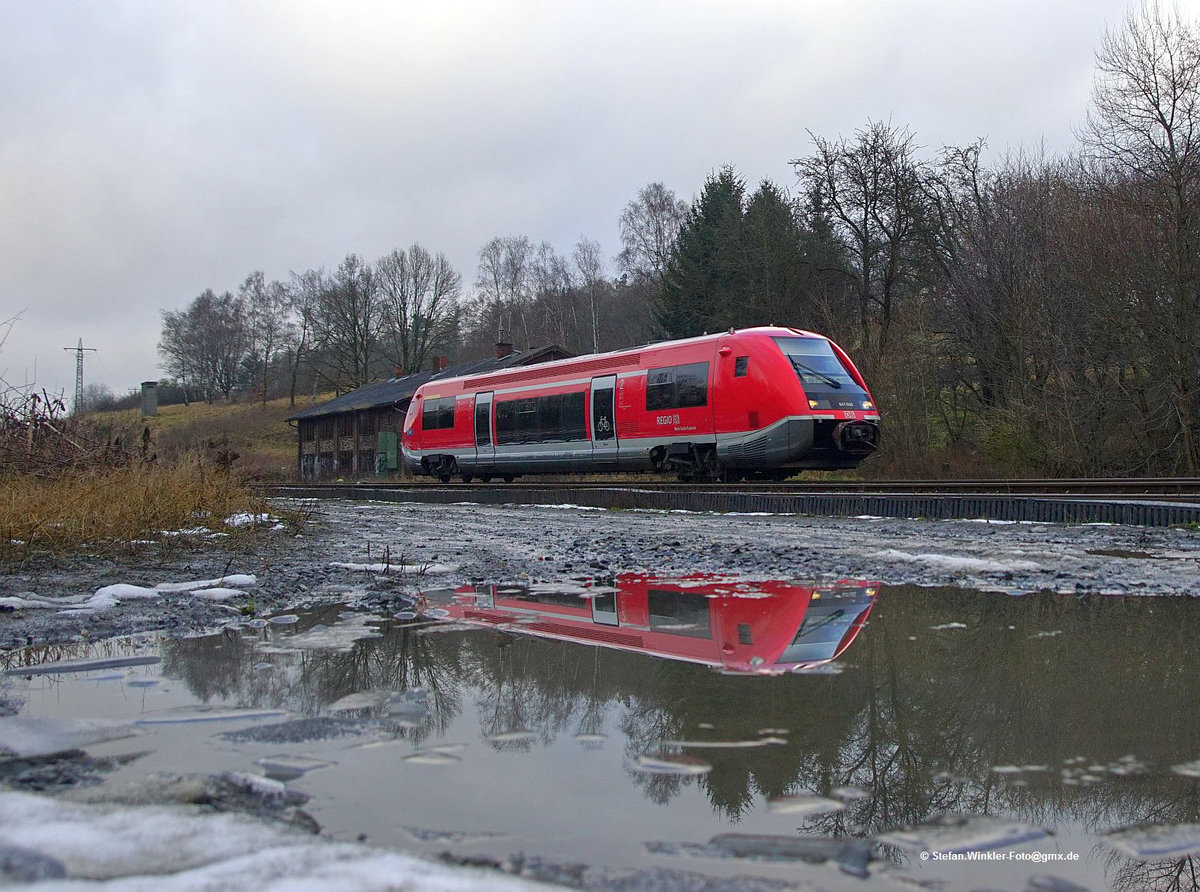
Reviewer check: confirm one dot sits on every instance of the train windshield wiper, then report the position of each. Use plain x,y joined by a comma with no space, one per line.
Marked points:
801,367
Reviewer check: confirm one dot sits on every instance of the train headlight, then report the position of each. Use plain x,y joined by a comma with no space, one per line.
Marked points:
867,404
813,404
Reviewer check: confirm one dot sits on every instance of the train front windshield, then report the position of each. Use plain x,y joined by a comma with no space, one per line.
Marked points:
825,625
826,381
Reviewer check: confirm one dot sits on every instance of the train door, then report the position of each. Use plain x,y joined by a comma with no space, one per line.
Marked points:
485,448
604,420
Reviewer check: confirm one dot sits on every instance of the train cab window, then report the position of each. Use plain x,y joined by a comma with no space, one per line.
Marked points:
740,366
677,387
438,414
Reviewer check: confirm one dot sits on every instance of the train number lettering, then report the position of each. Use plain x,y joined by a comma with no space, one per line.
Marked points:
667,419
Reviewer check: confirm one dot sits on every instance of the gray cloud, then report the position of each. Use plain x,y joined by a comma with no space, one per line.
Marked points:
151,150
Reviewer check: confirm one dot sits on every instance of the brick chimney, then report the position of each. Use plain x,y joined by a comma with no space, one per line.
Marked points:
503,349
398,371
440,362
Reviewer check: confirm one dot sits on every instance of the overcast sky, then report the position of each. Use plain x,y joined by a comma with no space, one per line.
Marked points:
150,150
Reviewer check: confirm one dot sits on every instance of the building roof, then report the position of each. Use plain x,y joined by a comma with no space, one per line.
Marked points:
398,390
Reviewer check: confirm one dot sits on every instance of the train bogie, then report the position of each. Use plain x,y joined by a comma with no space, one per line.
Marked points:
765,401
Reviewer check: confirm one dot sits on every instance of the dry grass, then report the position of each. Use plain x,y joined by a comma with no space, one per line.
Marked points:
115,509
257,434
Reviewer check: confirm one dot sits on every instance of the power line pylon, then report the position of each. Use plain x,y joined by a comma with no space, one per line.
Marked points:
79,351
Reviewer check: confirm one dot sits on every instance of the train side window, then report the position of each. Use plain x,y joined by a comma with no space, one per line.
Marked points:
549,424
691,385
677,387
526,418
741,366
679,613
573,427
660,389
506,422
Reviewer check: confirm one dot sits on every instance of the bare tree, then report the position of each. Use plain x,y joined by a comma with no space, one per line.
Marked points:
875,191
649,228
347,319
555,316
419,292
204,345
1144,127
267,305
504,282
589,266
304,295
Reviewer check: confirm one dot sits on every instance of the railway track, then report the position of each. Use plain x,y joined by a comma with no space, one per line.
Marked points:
1163,501
1124,487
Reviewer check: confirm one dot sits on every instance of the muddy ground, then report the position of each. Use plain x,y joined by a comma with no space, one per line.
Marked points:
453,544
380,554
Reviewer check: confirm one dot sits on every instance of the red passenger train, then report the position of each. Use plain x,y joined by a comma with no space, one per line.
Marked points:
731,625
759,402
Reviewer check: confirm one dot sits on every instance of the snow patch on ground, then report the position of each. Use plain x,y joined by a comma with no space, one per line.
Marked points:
956,563
111,595
174,848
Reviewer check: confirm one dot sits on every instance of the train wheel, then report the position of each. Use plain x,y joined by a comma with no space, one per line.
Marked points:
467,478
444,477
509,478
486,478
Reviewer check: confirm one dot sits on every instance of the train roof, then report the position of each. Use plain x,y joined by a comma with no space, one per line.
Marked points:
601,363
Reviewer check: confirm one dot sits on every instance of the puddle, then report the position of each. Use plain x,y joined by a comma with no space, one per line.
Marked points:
689,723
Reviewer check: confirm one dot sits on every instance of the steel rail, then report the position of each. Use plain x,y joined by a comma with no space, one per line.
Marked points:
1142,501
1111,486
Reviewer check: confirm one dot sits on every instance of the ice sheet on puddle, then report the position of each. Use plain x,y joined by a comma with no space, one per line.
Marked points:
803,804
87,665
27,736
359,700
1155,842
671,763
962,833
431,757
458,837
187,715
287,767
340,637
725,744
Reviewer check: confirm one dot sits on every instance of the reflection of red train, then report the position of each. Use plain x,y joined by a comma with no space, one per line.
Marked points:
761,401
733,625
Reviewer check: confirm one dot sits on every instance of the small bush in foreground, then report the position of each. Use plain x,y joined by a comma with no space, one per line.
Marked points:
118,508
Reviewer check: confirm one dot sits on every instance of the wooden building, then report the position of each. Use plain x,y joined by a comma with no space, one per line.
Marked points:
357,434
